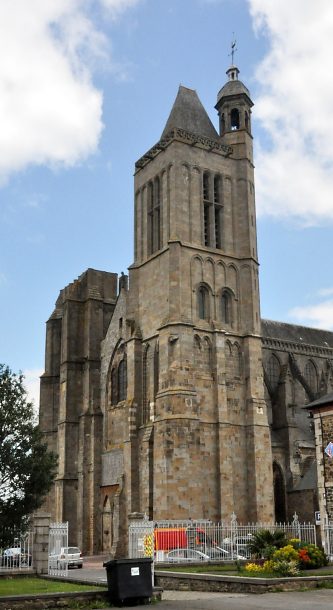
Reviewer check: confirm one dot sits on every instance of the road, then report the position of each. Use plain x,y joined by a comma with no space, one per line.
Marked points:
321,599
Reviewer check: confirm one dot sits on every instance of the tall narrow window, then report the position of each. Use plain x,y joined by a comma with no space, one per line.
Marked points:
114,386
203,303
145,386
206,186
150,218
212,210
226,307
157,219
206,224
273,370
217,213
216,189
122,380
154,216
156,369
311,375
234,119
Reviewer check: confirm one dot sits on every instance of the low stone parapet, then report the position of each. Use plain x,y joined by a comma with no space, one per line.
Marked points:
58,600
49,600
182,581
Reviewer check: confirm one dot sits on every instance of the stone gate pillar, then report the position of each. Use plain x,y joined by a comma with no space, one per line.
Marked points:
40,550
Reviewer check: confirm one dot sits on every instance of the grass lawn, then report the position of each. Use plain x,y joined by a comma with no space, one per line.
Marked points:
231,570
31,585
227,570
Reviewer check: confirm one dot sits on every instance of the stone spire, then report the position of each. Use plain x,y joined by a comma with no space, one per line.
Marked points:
188,113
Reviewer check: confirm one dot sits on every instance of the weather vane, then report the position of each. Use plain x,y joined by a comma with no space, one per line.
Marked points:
233,49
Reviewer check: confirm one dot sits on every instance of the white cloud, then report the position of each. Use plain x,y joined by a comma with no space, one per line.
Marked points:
50,111
117,7
319,316
294,173
31,384
325,292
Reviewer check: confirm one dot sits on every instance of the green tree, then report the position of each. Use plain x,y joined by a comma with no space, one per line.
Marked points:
27,468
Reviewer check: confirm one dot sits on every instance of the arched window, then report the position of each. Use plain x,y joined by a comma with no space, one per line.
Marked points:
279,494
236,353
311,377
234,119
207,353
203,303
114,386
122,380
273,371
145,385
226,307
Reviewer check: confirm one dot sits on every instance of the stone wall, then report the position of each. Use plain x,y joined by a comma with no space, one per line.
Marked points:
236,584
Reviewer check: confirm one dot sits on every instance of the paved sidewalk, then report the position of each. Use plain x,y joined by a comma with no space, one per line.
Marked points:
321,599
191,600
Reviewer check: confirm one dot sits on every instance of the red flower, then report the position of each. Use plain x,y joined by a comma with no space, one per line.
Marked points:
303,555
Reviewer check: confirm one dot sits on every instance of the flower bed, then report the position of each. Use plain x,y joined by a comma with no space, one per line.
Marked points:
288,560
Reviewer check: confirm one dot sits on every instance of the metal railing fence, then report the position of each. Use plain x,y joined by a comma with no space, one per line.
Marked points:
201,540
328,540
16,549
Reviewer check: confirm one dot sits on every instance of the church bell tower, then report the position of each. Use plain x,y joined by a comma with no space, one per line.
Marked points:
194,295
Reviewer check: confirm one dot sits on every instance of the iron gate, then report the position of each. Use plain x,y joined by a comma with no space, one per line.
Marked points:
141,541
58,540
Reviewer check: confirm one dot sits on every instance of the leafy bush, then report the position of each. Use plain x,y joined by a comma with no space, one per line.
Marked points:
287,553
278,567
264,543
288,560
283,567
254,568
311,556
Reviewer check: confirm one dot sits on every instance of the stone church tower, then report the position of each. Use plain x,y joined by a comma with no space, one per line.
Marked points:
190,437
155,396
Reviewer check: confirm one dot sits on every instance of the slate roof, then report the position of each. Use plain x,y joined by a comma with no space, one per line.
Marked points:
188,113
297,334
320,402
309,480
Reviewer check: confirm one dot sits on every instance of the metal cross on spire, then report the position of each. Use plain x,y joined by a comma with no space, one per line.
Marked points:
233,49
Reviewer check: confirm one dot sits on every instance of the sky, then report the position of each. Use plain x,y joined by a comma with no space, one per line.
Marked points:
86,87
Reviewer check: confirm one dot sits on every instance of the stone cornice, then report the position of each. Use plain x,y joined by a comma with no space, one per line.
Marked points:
186,137
297,348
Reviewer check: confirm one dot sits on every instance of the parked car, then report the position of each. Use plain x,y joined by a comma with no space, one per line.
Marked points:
70,556
15,557
238,545
216,553
186,555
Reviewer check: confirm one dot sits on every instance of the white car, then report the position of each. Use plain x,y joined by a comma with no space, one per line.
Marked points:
186,555
70,556
15,557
